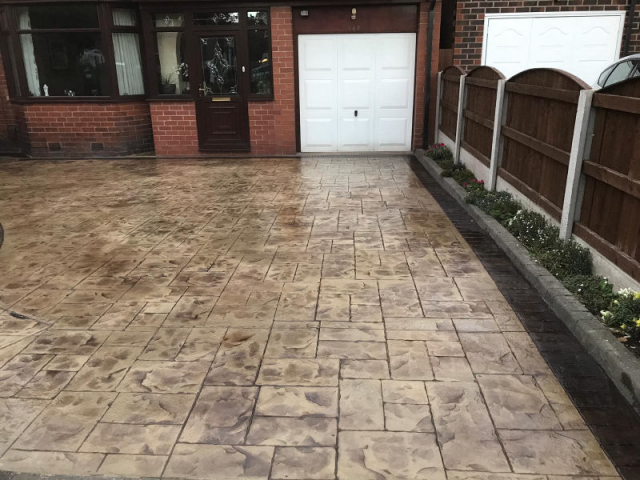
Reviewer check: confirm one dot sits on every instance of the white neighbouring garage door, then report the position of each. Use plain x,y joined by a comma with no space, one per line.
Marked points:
356,92
581,43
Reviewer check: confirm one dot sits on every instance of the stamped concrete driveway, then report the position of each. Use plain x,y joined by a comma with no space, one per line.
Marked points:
300,319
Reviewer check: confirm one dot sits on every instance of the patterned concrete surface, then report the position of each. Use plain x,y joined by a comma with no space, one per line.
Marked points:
285,319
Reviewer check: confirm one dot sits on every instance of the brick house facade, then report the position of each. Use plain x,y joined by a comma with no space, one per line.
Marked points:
169,125
470,15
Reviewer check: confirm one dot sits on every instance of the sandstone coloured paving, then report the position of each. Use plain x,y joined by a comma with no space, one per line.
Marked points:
315,318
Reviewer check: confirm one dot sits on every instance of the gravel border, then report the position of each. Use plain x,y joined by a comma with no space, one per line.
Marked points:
621,365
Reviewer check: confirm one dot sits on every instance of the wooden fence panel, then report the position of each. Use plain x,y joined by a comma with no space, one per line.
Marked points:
610,213
481,84
449,100
537,134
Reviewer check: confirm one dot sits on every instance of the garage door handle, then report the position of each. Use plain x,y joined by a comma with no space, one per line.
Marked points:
355,113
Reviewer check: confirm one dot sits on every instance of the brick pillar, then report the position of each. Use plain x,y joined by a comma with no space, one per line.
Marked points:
272,123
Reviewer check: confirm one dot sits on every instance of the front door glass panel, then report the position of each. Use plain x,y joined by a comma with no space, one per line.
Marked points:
219,65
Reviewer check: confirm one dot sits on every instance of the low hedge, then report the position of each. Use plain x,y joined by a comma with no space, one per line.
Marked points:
568,261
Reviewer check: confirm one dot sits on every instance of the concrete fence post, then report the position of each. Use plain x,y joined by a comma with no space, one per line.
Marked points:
581,137
496,143
438,99
462,102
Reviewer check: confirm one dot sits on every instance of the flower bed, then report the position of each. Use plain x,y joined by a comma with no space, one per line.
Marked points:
568,261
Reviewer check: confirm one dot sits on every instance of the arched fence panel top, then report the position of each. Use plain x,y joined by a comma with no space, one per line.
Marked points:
626,88
486,73
622,97
549,78
453,71
538,132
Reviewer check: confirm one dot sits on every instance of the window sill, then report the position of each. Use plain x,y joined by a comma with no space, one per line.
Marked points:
171,98
261,98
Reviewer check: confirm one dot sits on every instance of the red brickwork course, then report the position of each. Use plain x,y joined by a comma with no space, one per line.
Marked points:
470,21
85,129
175,131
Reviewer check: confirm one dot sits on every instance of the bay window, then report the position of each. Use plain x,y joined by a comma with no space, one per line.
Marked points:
97,51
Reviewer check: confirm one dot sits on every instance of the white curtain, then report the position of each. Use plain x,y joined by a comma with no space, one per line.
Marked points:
124,17
127,53
128,65
28,53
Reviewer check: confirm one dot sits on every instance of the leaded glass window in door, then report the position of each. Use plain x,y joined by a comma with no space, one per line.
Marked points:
219,65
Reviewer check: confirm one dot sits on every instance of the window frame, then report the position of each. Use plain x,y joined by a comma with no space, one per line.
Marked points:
105,28
253,97
191,31
151,41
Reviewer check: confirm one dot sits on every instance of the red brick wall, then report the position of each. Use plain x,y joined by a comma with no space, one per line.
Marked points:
421,60
470,21
175,132
121,128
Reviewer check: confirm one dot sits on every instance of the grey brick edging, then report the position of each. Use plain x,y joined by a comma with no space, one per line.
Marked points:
622,366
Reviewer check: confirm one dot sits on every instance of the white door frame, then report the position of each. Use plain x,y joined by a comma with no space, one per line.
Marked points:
608,13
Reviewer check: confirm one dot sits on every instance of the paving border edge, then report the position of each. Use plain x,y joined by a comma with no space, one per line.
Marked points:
620,365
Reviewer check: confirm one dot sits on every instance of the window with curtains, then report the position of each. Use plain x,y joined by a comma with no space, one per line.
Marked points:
62,50
126,51
77,50
171,62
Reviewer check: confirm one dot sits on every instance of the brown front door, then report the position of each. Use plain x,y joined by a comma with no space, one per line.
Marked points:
221,106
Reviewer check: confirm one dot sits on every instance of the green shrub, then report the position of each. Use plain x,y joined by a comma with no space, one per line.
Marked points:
533,230
566,259
462,175
542,239
624,314
500,205
439,152
594,292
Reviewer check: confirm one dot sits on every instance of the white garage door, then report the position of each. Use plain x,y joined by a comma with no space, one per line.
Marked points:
582,43
356,92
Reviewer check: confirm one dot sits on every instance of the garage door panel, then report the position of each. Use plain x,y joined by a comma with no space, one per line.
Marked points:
549,37
582,43
395,53
595,45
392,134
319,55
320,134
356,54
354,134
507,44
319,94
394,94
356,93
